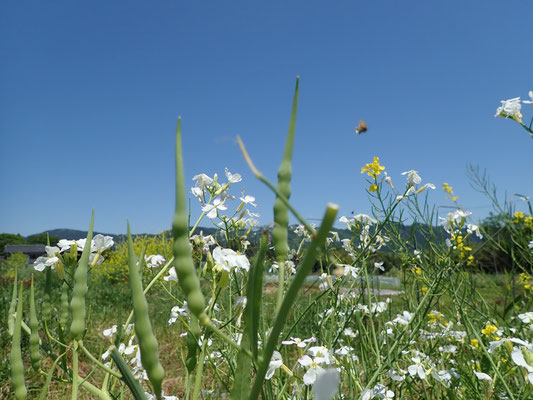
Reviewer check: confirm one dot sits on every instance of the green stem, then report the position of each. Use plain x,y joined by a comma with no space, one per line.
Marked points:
94,360
75,371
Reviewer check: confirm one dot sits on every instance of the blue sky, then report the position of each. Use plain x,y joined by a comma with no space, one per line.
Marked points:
90,93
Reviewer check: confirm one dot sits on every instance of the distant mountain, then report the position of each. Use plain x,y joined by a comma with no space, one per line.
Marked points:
414,234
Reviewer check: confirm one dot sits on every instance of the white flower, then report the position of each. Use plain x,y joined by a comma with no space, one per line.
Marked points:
412,177
154,260
232,178
471,228
50,260
110,331
482,376
417,368
211,209
274,364
530,96
510,109
311,373
248,200
526,318
202,180
65,244
350,271
172,275
379,265
101,243
227,259
197,192
299,342
326,384
518,357
364,219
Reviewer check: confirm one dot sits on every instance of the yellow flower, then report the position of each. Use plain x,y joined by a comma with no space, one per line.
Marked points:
424,290
447,188
475,343
416,270
489,330
373,188
518,217
373,169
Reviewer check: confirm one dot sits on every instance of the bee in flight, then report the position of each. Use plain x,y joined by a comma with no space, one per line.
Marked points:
361,127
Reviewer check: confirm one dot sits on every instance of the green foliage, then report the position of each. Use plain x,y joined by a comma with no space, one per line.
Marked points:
15,260
41,238
115,266
9,238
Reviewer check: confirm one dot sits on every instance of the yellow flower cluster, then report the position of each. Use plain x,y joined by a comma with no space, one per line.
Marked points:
373,169
115,266
463,249
435,316
448,189
490,330
526,281
520,217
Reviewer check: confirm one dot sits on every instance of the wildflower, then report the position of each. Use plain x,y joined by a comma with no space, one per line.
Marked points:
211,209
518,217
248,200
177,312
227,259
530,96
202,180
412,177
373,188
172,275
299,342
389,180
313,370
350,271
517,356
274,364
197,192
50,260
510,109
417,368
101,243
448,189
373,169
424,187
232,178
379,265
154,260
474,343
482,376
490,330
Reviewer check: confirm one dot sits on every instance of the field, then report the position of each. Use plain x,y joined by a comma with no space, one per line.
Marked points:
192,316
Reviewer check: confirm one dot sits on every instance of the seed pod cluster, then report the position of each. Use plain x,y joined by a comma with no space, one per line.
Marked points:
143,328
77,303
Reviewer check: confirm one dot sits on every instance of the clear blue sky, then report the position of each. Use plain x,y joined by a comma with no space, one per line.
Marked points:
90,93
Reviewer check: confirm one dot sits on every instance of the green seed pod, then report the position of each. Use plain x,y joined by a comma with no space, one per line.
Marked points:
77,303
34,335
192,344
63,316
17,367
281,211
183,262
12,306
143,327
46,311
